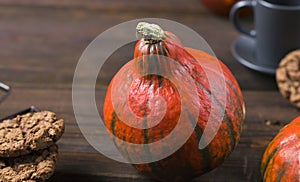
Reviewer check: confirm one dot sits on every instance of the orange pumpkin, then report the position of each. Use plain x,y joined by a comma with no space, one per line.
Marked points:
188,161
281,160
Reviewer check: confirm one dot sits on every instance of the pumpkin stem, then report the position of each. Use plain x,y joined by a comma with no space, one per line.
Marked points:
152,33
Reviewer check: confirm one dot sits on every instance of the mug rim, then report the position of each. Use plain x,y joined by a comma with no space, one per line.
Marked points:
278,6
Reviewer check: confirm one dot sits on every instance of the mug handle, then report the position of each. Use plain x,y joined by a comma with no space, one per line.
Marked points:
235,18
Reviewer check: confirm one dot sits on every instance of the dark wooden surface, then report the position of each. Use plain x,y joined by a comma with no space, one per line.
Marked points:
42,41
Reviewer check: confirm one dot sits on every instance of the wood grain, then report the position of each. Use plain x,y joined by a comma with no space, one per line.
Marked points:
42,41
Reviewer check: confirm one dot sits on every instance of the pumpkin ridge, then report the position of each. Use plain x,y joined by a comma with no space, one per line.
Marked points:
113,123
161,49
269,159
154,49
154,166
213,98
240,116
232,133
215,101
125,153
160,81
234,91
145,121
226,118
206,162
154,81
281,173
230,85
145,131
225,71
269,172
205,154
198,131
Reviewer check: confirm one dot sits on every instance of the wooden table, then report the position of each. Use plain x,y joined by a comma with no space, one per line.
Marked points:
41,43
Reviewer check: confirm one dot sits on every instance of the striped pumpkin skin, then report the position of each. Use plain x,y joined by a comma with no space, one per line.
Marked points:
281,160
188,161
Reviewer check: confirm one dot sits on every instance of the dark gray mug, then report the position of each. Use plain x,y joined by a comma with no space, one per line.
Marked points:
285,2
276,33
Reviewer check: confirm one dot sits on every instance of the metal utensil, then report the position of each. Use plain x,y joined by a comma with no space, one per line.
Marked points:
31,109
6,89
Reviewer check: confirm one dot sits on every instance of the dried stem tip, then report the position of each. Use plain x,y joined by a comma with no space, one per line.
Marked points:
150,32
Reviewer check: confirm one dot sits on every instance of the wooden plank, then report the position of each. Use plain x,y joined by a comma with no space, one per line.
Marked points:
113,5
57,38
41,42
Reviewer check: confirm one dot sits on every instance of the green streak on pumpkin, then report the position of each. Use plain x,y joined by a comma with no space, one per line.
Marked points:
281,173
232,133
199,133
268,160
228,83
113,123
124,144
124,151
160,81
154,165
226,118
161,50
145,121
234,91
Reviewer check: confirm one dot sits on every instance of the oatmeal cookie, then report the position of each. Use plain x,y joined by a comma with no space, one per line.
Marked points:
29,132
37,166
288,77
